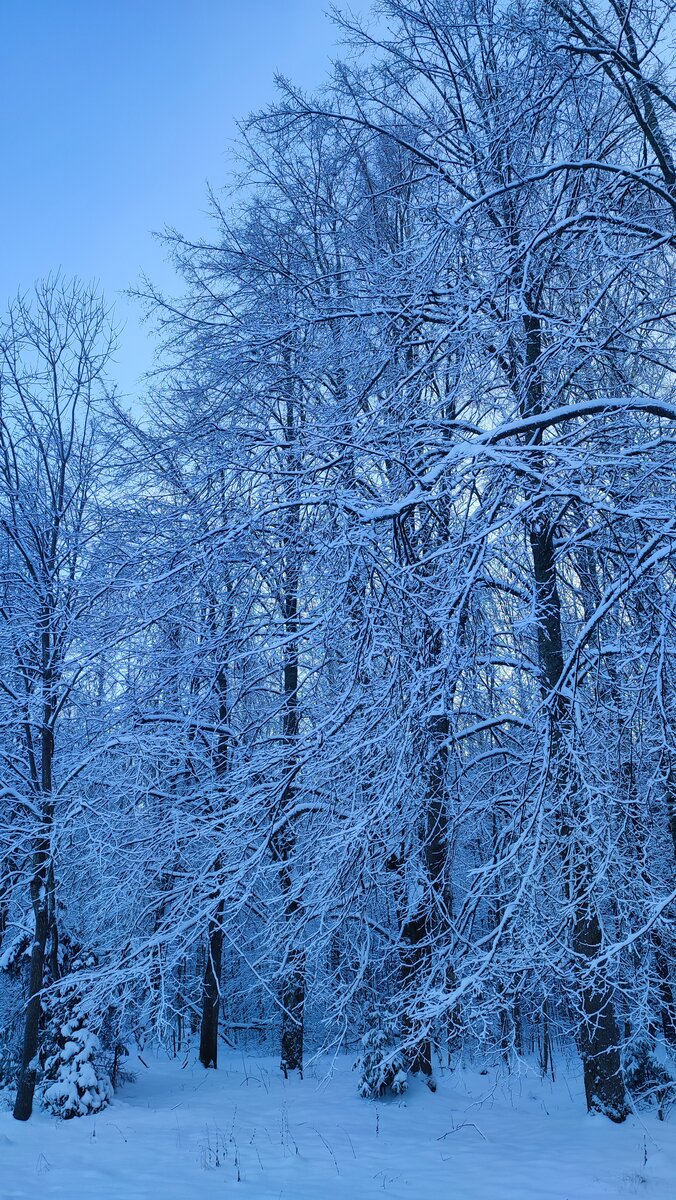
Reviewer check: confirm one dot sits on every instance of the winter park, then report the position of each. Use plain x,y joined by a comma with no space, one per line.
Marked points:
338,600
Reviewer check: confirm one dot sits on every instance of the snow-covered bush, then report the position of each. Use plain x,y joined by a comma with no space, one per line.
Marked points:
15,954
7,1070
647,1080
75,1077
75,1081
14,958
381,1065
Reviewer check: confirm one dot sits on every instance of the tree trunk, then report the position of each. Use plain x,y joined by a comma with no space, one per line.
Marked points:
598,1039
431,916
23,1105
211,994
293,1010
415,955
292,992
42,889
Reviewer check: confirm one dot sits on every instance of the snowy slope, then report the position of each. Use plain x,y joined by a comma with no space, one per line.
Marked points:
180,1132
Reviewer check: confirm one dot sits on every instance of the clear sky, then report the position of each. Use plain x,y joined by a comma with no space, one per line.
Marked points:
115,113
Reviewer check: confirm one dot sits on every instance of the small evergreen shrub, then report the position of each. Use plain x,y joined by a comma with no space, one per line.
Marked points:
75,1082
15,954
381,1065
647,1080
7,1071
75,1077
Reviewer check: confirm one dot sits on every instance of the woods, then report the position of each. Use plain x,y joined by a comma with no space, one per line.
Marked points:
338,696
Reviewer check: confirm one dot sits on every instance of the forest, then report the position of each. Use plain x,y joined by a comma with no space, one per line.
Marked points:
338,671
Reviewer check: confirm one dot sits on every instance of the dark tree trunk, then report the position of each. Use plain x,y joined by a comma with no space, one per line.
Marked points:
636,835
670,795
415,955
428,921
54,965
23,1105
668,1009
292,991
211,994
598,1039
4,914
546,1049
42,894
293,1014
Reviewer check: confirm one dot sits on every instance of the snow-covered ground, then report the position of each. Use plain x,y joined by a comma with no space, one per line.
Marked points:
180,1132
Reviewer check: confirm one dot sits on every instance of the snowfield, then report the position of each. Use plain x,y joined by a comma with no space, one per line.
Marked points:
180,1132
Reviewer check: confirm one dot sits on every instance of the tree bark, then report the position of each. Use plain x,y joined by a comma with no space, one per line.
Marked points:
598,1038
293,1013
23,1105
292,992
211,994
293,985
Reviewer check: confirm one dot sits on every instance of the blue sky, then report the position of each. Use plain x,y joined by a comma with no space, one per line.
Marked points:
116,113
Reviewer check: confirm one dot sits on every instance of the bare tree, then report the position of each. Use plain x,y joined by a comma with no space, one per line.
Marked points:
54,351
